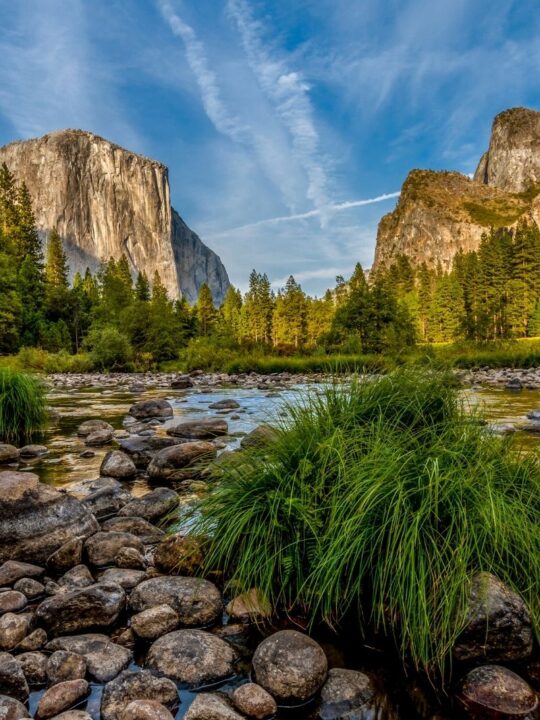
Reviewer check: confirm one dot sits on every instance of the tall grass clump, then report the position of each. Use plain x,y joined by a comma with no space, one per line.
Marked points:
380,498
23,409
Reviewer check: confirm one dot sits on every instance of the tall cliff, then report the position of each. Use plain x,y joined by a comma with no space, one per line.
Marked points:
106,201
440,213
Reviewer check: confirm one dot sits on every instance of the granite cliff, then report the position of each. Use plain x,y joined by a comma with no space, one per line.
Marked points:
440,213
106,201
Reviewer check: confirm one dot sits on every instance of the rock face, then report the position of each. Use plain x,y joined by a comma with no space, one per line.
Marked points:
106,201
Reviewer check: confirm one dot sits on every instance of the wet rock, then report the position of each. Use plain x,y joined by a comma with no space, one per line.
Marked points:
67,556
194,657
85,454
90,426
142,449
11,601
13,570
13,629
130,559
137,526
124,577
179,555
145,710
152,506
104,659
181,382
29,587
224,405
99,438
197,601
103,497
96,606
35,641
534,415
259,437
492,691
498,626
33,451
212,706
145,409
11,709
78,577
250,606
290,666
514,384
253,700
348,694
63,665
8,453
36,519
61,697
153,623
176,462
12,679
34,667
117,464
103,547
199,429
130,686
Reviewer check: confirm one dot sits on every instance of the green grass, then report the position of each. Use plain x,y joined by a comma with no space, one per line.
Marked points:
379,498
23,410
523,353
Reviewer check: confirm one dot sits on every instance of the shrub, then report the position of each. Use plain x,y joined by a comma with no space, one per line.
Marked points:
109,348
23,410
39,360
382,495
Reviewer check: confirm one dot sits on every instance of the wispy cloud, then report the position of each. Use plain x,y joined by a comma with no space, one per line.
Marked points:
322,274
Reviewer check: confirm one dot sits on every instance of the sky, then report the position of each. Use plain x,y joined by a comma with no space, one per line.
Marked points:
288,126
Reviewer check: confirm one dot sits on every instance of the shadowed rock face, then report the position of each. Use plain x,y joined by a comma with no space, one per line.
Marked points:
106,201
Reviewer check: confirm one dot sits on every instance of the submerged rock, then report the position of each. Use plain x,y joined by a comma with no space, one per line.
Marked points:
130,686
96,606
196,601
492,691
224,405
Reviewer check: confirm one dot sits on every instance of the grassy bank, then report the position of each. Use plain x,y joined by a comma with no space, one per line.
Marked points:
23,411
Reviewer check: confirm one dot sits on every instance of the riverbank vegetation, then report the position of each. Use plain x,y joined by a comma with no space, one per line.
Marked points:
23,410
379,499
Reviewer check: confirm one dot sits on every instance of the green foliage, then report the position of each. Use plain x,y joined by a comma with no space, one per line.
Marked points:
23,410
39,360
109,348
380,498
205,310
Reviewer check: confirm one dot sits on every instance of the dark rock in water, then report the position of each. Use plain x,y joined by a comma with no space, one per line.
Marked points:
498,625
175,463
34,667
67,556
514,384
63,665
61,697
36,519
13,629
253,700
304,660
181,382
179,555
156,621
127,578
347,694
96,606
130,686
12,679
8,453
152,506
11,601
194,657
145,409
260,437
77,577
199,429
103,497
224,405
117,464
142,449
145,710
13,570
492,691
33,451
29,587
91,426
99,438
103,547
136,526
212,706
11,709
197,601
104,659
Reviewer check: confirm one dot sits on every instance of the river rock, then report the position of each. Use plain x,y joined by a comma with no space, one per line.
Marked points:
103,547
103,497
61,697
12,679
104,659
34,667
347,694
29,587
290,666
194,657
259,437
98,438
181,382
197,601
137,526
253,700
145,409
63,665
8,453
67,556
176,462
96,606
212,706
179,555
11,601
36,519
13,629
492,691
249,606
199,429
34,641
13,570
142,449
33,451
156,621
117,464
130,686
90,426
145,710
124,577
11,709
152,506
78,577
129,558
224,405
514,384
498,625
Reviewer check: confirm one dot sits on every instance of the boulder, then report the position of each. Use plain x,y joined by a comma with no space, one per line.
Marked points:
124,577
61,697
130,686
194,657
34,667
104,659
181,382
137,526
12,570
145,409
492,691
152,506
11,709
141,449
90,426
290,666
98,438
253,700
153,623
13,629
103,547
196,601
12,679
78,577
176,462
348,694
36,519
498,626
145,710
67,556
103,497
179,555
212,706
96,606
8,453
117,464
34,641
199,429
29,587
33,451
249,606
11,601
63,665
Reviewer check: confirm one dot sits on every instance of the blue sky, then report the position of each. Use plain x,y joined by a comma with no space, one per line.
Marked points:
277,118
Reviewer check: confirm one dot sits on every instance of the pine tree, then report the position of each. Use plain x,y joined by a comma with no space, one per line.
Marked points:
230,312
206,312
290,316
142,287
27,240
56,268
